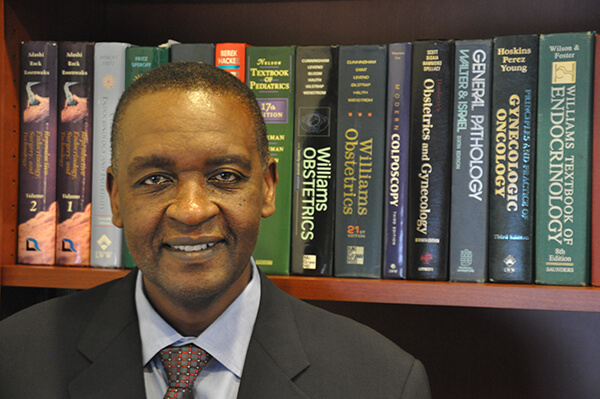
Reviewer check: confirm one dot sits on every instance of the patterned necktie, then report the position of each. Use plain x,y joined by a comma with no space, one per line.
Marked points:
182,365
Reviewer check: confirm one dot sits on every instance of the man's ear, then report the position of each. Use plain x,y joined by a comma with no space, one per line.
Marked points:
113,193
269,187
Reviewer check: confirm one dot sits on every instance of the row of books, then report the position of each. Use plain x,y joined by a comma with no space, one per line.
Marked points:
465,160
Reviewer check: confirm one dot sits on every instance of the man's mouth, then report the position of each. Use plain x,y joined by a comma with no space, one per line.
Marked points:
193,248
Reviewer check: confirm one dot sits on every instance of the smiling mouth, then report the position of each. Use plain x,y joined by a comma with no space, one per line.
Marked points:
192,248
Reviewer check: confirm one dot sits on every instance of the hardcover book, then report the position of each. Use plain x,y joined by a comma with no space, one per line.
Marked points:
74,165
563,174
197,52
397,162
271,77
595,215
109,83
138,60
469,205
512,159
360,161
37,160
231,57
315,132
431,158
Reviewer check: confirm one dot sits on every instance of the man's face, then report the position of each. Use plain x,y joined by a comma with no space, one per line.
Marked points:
190,192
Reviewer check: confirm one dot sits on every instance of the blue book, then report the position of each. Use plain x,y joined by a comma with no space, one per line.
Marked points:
397,162
109,83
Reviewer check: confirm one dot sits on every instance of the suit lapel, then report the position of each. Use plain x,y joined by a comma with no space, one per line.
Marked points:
112,344
275,354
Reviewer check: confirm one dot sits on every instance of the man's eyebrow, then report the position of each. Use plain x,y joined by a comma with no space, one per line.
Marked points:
159,162
229,159
152,161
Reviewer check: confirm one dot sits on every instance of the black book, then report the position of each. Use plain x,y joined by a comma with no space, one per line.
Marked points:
512,168
430,159
315,132
470,161
198,52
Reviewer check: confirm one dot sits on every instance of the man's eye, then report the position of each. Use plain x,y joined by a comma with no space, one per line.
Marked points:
226,177
155,180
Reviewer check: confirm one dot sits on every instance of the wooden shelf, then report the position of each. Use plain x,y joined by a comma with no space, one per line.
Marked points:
488,295
513,296
57,276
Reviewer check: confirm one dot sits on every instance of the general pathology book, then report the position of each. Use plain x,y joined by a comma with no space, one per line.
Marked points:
470,161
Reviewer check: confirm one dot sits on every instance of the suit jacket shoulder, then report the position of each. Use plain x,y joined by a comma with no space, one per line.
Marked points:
87,344
299,351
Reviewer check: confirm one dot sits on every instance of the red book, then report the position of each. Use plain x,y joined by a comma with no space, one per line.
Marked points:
596,172
231,57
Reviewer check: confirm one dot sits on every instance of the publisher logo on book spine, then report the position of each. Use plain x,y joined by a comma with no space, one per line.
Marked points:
68,245
314,121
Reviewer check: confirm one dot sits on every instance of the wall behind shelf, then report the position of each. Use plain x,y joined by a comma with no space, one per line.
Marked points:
492,353
344,22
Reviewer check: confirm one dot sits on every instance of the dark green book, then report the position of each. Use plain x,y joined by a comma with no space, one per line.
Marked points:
360,161
512,168
270,75
564,142
315,133
140,59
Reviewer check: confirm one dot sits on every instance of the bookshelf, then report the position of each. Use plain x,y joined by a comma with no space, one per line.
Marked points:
503,296
531,313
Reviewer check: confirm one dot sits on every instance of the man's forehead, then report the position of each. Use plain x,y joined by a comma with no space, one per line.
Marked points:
199,96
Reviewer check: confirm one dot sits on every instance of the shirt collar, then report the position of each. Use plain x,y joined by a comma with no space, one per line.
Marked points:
226,339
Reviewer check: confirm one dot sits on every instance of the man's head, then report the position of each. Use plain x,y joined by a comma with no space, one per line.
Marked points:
190,76
189,184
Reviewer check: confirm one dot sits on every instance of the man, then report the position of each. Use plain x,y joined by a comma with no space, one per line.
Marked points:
190,179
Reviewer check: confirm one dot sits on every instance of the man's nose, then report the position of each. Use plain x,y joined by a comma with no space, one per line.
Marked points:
192,204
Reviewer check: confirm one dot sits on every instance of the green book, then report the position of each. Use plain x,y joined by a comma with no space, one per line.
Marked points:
564,158
270,76
140,59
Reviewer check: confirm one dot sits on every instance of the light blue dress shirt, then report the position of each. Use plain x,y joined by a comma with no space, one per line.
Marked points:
226,340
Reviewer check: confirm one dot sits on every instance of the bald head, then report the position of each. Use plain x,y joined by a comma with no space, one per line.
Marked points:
189,77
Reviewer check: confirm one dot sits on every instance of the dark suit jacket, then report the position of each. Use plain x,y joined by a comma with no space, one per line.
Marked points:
87,345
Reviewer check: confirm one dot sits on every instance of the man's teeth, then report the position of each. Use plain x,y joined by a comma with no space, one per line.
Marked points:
193,248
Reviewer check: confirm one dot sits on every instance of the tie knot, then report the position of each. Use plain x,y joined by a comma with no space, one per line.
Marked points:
182,365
